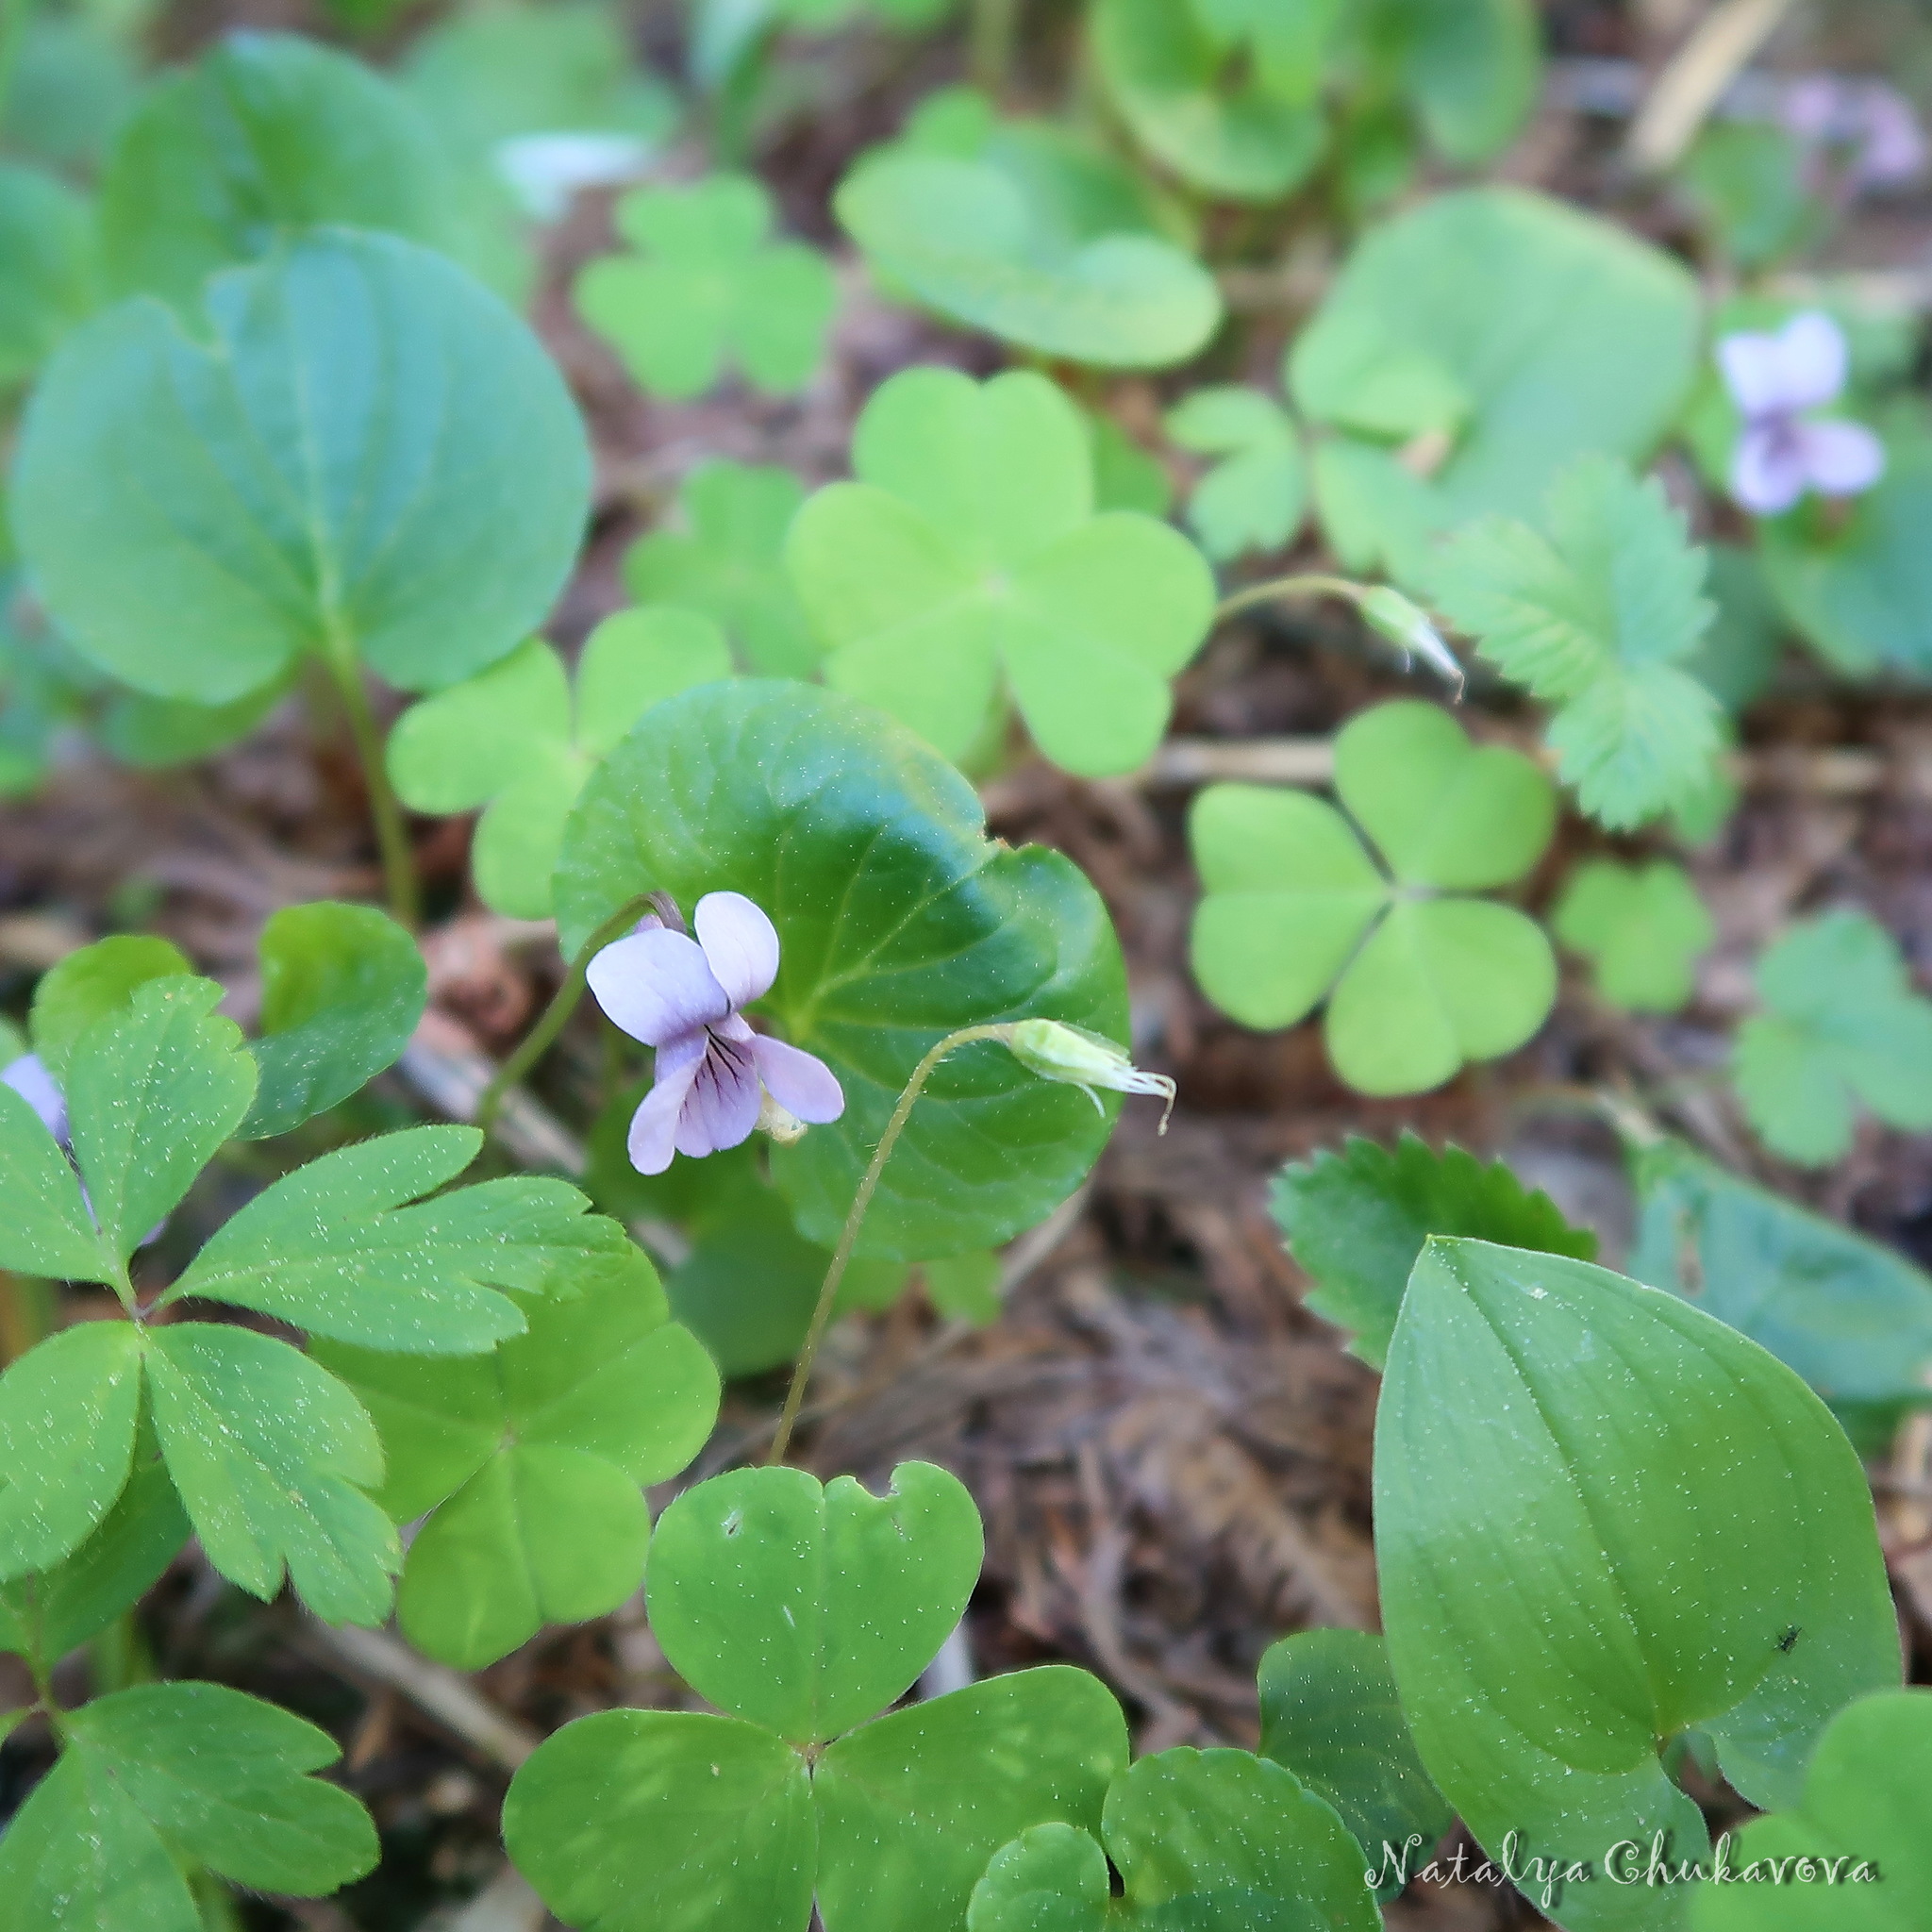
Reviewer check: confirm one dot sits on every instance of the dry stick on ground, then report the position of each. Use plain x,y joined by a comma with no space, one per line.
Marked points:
1696,77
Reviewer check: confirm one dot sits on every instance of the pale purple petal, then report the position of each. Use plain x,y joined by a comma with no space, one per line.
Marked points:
1753,370
740,945
1813,360
654,1127
1768,472
1893,148
721,1106
35,1084
1841,459
800,1082
656,986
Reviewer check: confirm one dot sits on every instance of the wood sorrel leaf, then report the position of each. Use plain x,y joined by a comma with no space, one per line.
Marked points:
332,1248
538,1457
1202,1840
271,1457
190,1771
1356,1220
91,984
968,558
659,1821
265,134
1295,909
150,1096
1644,927
371,458
1864,1817
1331,1714
898,922
809,1610
47,241
708,286
1575,337
1687,1539
342,988
68,1411
1252,499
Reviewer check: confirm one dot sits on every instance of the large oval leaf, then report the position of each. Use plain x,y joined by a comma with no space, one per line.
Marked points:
373,456
899,922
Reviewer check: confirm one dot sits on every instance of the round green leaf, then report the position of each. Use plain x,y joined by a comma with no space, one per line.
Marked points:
1165,73
638,659
1053,1878
1574,337
657,1820
899,922
809,1610
962,238
47,243
265,134
372,457
342,988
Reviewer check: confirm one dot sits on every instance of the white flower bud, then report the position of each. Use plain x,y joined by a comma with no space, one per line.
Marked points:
1387,610
1075,1058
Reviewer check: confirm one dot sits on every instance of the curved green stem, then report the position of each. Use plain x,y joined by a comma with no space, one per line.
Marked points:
563,1003
848,1237
391,835
1307,584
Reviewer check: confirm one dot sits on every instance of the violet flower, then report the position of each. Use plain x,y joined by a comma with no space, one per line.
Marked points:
1775,379
714,1074
30,1079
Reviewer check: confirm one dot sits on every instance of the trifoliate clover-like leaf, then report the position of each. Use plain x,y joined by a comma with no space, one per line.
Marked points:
967,561
1643,928
534,1461
728,561
1419,977
518,743
1254,497
1842,1028
1357,1219
708,288
47,241
164,1779
1595,614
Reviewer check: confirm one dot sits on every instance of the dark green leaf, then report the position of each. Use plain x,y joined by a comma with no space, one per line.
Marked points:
47,1229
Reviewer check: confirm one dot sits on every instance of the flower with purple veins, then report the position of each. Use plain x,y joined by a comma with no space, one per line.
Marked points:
1774,379
715,1078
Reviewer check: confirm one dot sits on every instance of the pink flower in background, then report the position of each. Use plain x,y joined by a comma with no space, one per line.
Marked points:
682,997
1775,379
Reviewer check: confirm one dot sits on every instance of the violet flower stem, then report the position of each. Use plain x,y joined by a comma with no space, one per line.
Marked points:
848,1237
1308,584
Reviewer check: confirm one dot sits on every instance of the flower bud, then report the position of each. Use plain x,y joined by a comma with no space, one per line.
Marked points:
1075,1058
783,1126
1387,610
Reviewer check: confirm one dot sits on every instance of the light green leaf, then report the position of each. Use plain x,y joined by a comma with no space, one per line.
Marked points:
1470,72
331,1248
1864,1821
155,734
1575,337
965,1288
1668,1504
969,549
913,1804
1643,929
657,1820
1253,499
47,1229
370,455
1331,1714
1356,1221
1295,909
964,239
728,561
68,1411
342,988
637,658
1738,656
264,136
537,1459
708,288
271,1457
809,1610
1595,617
1843,1027
150,1096
898,922
47,241
1165,72
1852,1317
92,984
457,750
1747,183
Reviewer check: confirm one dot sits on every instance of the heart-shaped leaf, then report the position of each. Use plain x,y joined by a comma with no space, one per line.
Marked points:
1469,73
968,557
47,241
1417,982
898,920
1603,1518
1253,499
708,287
1575,337
809,1610
964,239
1643,927
370,457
